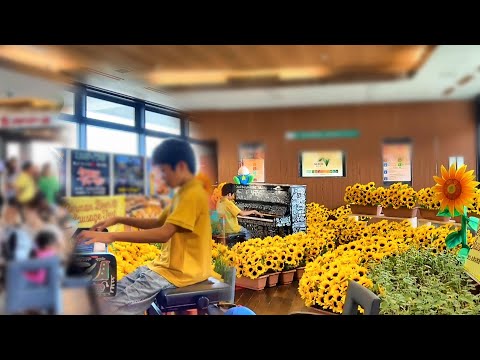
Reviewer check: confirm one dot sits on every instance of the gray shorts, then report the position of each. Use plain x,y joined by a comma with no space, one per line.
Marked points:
135,293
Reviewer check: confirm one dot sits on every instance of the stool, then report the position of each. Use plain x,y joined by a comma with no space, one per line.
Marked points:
197,296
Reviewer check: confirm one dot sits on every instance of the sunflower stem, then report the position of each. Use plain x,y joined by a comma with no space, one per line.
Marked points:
463,229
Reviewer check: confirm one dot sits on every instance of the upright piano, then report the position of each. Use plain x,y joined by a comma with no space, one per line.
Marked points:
283,207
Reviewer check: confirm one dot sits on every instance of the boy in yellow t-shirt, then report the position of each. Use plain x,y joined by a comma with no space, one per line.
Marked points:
183,228
227,209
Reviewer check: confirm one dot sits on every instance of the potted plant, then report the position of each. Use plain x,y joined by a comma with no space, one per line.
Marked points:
399,200
419,282
429,205
363,199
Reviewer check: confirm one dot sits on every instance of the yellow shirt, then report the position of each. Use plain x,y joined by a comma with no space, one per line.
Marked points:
26,188
230,211
187,257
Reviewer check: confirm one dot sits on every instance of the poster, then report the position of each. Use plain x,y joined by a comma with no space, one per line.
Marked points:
472,264
253,157
322,163
91,209
90,173
128,175
397,165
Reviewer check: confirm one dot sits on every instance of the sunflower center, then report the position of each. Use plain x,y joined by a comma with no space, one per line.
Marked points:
452,189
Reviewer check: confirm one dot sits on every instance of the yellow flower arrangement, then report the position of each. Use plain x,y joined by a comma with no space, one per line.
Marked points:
316,215
129,256
426,199
359,194
398,195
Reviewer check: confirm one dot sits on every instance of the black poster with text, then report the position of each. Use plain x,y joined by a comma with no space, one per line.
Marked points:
90,173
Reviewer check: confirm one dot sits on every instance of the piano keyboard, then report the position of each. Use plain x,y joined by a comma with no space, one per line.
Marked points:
257,218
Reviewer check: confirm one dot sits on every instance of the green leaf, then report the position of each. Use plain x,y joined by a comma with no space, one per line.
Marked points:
453,239
473,223
235,180
463,254
327,161
444,212
456,213
250,178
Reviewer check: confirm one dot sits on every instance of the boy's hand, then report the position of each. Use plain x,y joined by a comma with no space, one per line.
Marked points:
90,237
100,226
258,213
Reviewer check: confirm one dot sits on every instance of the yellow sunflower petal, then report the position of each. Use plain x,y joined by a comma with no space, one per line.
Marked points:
467,175
452,171
444,172
439,180
460,171
451,207
458,206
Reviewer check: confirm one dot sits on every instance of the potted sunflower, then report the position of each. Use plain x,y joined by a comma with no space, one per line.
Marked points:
429,205
399,200
363,199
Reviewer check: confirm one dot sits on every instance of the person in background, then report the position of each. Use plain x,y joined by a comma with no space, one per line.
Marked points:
11,176
46,245
25,185
227,209
183,228
48,185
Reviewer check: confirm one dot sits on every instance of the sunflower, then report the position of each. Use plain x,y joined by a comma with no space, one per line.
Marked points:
455,189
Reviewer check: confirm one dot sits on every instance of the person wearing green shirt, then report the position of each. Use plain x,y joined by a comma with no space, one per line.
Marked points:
48,185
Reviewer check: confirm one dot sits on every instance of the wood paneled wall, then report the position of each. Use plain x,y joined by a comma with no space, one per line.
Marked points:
438,130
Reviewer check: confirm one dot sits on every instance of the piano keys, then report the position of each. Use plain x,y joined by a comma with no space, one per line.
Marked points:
283,206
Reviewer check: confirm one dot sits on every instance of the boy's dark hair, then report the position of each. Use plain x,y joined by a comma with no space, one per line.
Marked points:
228,188
172,151
27,165
45,238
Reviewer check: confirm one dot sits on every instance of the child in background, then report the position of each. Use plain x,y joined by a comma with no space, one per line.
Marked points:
230,211
46,246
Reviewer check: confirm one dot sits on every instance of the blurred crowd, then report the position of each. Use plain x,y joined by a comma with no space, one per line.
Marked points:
34,222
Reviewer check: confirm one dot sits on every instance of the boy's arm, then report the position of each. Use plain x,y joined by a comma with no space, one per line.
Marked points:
250,212
158,235
235,210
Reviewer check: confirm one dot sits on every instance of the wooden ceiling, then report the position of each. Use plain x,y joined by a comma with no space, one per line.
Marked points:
178,67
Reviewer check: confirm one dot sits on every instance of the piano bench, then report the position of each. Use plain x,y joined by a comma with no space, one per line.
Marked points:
197,296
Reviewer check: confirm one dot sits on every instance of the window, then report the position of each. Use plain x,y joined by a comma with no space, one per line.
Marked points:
111,141
43,152
68,103
150,144
110,111
13,150
69,135
160,122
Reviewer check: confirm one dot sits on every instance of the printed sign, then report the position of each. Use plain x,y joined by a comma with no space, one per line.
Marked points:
397,162
128,175
90,173
253,157
322,164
